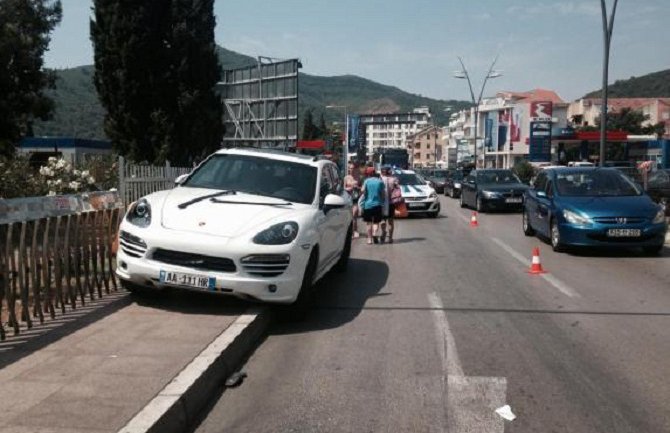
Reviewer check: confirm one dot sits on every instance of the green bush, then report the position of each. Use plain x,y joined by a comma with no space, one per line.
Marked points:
19,179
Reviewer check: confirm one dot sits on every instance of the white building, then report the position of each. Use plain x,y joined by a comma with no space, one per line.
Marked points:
390,130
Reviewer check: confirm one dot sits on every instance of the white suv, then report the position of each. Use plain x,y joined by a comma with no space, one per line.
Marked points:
254,224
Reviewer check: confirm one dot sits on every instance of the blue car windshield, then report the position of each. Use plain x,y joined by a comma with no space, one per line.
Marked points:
595,183
497,176
261,176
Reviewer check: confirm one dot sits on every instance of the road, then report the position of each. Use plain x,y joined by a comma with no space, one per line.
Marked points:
436,331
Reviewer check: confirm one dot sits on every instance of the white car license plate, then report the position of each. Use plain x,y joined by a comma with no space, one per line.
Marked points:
410,204
514,200
624,233
189,280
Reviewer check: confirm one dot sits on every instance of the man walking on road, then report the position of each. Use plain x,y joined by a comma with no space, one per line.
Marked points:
373,202
388,223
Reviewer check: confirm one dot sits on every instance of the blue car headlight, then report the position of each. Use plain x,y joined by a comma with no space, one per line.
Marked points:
278,234
660,217
492,194
139,213
575,218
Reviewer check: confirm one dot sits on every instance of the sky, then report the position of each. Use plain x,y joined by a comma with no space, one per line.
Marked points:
415,45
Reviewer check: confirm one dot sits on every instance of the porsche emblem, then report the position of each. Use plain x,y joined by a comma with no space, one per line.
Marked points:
201,223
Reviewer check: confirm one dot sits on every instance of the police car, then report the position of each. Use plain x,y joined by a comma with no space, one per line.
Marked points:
419,196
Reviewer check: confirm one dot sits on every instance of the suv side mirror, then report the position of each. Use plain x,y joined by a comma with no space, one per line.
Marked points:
333,201
542,194
180,179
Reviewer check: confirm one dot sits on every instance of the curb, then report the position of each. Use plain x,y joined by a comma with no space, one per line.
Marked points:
176,407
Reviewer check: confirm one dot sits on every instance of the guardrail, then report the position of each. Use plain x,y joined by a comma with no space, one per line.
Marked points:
55,253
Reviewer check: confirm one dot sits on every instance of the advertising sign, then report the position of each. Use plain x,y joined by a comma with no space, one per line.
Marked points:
541,111
540,142
354,134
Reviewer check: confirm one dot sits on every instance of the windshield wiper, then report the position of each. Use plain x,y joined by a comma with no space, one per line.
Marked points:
215,200
205,197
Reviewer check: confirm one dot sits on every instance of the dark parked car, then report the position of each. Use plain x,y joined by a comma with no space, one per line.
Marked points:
593,207
658,188
490,189
452,185
437,179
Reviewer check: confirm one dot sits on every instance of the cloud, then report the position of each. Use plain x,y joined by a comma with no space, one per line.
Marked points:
563,8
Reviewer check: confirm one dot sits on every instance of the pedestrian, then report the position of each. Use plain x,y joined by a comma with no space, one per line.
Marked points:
392,193
373,196
352,187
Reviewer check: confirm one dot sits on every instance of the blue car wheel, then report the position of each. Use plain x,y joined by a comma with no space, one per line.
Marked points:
556,243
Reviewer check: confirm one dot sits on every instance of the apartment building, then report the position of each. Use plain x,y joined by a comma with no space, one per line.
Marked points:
427,148
585,112
390,130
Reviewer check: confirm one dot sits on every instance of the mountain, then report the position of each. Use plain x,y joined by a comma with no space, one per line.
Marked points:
79,113
654,85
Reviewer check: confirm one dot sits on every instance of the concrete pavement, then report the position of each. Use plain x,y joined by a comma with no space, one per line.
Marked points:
98,374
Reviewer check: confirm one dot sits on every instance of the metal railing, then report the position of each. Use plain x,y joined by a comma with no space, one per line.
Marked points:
137,180
55,254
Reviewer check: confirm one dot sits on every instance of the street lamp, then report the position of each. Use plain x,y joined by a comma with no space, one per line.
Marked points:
345,147
607,39
463,74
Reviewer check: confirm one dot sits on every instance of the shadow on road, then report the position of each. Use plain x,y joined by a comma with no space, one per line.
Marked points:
192,302
616,253
364,279
407,240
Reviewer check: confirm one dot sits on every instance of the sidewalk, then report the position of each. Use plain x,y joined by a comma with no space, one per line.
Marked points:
98,377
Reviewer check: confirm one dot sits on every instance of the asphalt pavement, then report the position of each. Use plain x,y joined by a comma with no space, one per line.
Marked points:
436,331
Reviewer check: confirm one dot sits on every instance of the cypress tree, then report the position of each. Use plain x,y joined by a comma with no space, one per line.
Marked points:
25,27
309,131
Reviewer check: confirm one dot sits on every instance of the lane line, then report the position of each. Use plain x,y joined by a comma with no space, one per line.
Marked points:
471,401
558,284
446,344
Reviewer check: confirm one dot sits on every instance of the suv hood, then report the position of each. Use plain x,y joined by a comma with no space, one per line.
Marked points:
223,219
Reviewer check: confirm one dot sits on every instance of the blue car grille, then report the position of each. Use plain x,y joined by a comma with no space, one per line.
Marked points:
619,220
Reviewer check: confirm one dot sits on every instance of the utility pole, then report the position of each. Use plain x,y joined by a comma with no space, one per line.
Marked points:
607,39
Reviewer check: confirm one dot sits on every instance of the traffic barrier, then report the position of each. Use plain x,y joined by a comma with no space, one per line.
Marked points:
473,220
535,265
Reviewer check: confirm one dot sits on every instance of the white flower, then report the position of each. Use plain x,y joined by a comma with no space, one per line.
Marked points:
85,173
50,182
52,159
51,193
90,180
77,173
43,170
61,163
74,185
58,181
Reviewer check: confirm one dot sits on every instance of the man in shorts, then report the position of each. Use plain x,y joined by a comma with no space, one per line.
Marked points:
373,203
388,224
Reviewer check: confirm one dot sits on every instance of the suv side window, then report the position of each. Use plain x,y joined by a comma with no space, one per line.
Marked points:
326,186
335,176
471,178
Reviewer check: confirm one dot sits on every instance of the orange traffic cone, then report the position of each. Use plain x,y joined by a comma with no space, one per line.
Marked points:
473,220
535,265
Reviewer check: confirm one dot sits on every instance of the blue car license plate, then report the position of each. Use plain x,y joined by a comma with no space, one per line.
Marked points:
188,280
624,233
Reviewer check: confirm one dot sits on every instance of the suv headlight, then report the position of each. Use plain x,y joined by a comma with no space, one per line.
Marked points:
278,234
139,213
575,218
492,194
660,217
433,195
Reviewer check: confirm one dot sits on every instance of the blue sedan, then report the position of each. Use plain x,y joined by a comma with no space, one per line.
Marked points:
592,207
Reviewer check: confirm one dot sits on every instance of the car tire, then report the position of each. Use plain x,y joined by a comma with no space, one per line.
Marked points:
653,251
555,237
343,262
461,200
525,223
481,207
298,310
434,214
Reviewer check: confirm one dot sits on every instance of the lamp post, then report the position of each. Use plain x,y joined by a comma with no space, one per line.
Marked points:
463,74
607,39
345,147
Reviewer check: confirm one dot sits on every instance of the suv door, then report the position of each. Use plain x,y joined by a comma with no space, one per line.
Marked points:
329,223
545,210
468,189
531,203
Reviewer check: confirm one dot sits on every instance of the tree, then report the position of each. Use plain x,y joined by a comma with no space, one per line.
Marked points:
322,128
309,129
631,121
25,28
155,73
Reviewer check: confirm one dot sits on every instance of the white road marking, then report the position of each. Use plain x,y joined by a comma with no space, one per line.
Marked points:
471,401
558,284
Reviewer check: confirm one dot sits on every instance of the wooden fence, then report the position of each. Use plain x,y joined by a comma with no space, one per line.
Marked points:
55,254
136,180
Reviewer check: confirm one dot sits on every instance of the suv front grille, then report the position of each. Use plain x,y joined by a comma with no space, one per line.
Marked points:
132,245
194,261
266,265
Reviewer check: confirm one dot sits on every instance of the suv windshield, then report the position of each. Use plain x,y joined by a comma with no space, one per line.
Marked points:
595,183
256,175
497,176
410,179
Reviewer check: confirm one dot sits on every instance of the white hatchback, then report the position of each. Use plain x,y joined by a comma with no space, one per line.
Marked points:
255,224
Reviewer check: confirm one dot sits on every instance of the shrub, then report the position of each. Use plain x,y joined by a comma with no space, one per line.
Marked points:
61,178
19,179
